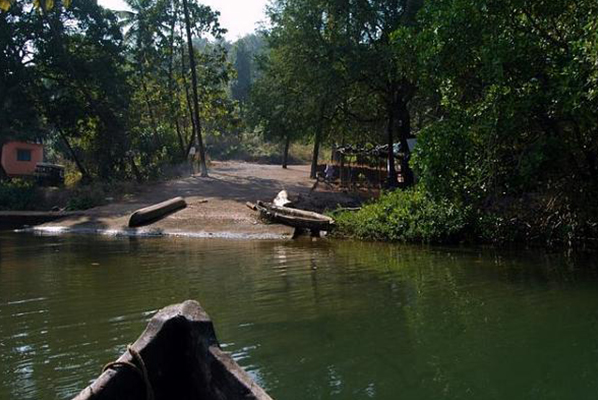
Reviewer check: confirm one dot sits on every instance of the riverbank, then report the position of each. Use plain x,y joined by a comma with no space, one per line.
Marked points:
415,216
215,205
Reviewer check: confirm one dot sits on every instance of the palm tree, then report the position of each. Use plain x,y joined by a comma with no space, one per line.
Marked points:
139,25
202,150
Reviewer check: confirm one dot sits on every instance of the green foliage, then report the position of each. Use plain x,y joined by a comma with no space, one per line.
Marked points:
510,128
19,116
243,65
18,194
409,215
338,72
449,162
504,96
111,89
415,216
513,84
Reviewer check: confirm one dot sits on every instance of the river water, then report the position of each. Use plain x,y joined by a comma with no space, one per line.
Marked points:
308,320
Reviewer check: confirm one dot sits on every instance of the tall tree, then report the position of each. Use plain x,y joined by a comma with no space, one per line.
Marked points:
207,21
242,62
304,42
79,53
141,25
275,105
375,63
19,117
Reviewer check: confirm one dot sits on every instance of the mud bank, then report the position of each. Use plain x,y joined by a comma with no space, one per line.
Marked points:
215,205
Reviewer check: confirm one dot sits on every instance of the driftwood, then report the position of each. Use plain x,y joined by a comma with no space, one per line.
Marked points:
176,357
156,212
296,218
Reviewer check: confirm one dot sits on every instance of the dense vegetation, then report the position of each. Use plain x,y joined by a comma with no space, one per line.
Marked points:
502,96
121,94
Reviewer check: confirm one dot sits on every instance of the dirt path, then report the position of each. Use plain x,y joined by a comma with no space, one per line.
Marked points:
229,186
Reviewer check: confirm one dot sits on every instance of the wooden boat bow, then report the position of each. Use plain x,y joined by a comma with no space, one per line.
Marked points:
183,361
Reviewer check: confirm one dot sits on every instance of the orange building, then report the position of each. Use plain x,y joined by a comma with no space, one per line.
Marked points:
21,158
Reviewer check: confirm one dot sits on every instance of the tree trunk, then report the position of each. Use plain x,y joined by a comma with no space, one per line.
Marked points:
391,180
144,88
191,118
135,170
171,90
85,177
285,155
316,151
188,101
317,140
314,157
171,54
180,136
202,151
150,109
3,175
404,134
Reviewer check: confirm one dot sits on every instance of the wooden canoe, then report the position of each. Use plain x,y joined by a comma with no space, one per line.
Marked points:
148,215
295,218
176,357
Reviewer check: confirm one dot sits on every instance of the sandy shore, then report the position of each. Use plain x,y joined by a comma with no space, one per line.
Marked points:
224,214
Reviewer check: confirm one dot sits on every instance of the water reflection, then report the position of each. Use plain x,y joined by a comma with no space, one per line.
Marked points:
309,320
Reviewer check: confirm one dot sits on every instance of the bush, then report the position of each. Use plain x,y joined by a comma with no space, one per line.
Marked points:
18,194
410,216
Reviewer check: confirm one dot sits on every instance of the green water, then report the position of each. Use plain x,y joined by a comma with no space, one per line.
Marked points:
325,320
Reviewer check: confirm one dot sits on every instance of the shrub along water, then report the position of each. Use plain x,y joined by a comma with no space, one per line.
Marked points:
18,194
414,215
409,215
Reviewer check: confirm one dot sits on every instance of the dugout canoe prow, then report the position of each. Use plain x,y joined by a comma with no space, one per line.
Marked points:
176,357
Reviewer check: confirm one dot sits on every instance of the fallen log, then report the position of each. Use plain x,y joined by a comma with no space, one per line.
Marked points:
176,357
156,212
